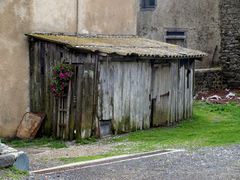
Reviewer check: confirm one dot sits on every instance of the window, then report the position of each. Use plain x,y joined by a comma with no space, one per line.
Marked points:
148,4
176,36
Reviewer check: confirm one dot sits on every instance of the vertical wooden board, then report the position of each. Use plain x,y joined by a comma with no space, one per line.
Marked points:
134,95
51,97
125,120
140,93
46,75
78,85
147,92
186,114
105,89
192,65
118,96
33,74
161,92
181,91
72,130
174,88
87,100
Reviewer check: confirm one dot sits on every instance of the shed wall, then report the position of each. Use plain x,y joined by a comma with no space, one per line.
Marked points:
124,95
134,95
63,120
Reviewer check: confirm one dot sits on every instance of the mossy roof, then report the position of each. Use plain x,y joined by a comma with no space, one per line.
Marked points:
121,45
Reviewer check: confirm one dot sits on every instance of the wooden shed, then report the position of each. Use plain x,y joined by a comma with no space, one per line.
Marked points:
120,83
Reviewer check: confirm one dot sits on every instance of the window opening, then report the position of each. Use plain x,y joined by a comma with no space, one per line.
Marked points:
148,4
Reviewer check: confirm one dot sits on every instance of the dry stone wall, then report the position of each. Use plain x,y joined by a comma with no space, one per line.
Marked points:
230,42
208,79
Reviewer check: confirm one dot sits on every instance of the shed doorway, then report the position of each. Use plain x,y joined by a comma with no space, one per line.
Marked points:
83,99
161,81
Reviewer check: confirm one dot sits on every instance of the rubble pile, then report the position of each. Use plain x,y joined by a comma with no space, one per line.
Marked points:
220,96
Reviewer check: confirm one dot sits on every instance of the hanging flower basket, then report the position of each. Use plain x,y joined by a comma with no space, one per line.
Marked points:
62,74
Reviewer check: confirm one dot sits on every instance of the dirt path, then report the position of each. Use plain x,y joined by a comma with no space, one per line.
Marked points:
43,157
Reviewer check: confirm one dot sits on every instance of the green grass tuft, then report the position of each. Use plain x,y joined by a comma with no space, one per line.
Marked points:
86,158
86,141
41,142
13,173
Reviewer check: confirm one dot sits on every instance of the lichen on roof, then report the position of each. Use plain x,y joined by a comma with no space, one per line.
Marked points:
121,45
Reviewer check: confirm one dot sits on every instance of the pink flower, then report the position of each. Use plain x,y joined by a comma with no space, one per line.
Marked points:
62,76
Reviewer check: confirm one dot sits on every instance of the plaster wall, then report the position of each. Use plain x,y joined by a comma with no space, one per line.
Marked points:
199,18
16,19
107,16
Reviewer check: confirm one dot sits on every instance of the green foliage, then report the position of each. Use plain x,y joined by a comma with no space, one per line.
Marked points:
42,142
85,158
12,173
211,125
86,141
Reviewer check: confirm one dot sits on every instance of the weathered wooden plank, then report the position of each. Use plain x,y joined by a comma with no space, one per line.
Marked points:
181,91
161,94
79,96
87,100
192,65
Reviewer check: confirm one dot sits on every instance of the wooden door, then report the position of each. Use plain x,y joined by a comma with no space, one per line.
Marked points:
160,94
83,100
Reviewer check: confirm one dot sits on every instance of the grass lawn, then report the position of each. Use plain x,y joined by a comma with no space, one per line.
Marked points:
12,173
41,142
211,125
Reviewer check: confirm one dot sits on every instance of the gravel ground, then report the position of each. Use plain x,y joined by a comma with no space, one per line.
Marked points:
206,163
41,158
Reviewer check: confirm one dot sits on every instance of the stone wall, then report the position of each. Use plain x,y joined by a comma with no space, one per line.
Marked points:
200,20
230,42
208,79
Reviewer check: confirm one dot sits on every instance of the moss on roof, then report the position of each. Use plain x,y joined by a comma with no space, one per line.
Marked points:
122,45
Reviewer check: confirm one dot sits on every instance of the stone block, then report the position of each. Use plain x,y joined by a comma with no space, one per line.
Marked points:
11,157
6,160
22,162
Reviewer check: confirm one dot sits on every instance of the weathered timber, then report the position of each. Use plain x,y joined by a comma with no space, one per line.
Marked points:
122,93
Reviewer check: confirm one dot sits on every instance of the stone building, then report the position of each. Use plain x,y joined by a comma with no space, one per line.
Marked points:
24,16
190,23
230,41
209,26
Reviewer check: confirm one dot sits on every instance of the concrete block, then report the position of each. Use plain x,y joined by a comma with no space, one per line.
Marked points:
22,162
6,160
11,157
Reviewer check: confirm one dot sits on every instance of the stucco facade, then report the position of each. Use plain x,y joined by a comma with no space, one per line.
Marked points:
199,19
107,16
24,16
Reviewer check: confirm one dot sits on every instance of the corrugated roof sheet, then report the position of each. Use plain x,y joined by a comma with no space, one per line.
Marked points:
122,45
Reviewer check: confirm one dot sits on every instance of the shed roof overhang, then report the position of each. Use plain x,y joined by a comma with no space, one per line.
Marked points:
121,45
